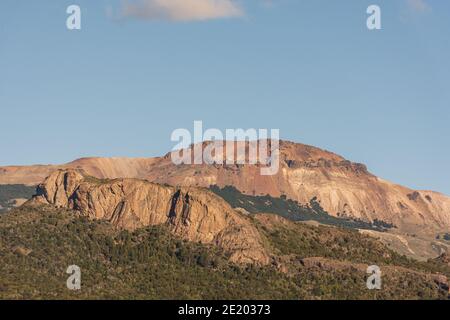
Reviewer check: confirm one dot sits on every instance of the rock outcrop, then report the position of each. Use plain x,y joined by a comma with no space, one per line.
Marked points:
191,213
343,188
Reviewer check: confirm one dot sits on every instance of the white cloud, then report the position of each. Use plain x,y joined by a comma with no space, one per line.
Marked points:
182,10
419,5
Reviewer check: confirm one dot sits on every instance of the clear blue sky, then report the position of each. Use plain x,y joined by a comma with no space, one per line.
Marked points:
120,86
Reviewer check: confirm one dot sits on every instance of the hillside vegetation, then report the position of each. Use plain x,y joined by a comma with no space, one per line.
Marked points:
293,210
10,192
37,244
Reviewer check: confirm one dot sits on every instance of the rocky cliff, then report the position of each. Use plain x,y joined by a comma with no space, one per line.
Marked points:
343,188
191,213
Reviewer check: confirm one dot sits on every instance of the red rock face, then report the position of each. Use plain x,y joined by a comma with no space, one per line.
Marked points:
342,187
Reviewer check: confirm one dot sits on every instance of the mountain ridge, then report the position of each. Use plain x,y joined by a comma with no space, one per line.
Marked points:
342,187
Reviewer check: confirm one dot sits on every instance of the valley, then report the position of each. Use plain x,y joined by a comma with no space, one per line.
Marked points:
147,229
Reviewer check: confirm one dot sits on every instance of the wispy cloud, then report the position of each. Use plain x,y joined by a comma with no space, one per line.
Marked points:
419,5
181,10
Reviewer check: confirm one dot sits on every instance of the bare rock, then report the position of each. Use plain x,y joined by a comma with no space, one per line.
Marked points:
22,250
193,214
305,172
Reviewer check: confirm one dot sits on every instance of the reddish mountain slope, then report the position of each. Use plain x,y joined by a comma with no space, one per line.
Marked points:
342,187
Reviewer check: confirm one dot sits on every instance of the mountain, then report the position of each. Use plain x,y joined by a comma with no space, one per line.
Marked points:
137,239
343,188
122,259
98,167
